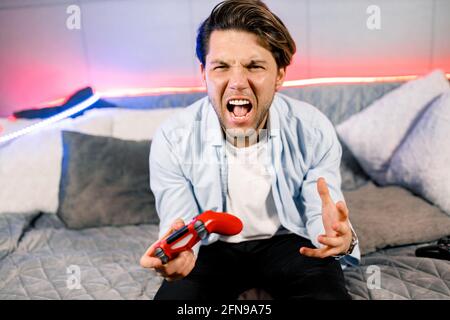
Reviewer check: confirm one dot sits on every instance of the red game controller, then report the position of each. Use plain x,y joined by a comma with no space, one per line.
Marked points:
198,229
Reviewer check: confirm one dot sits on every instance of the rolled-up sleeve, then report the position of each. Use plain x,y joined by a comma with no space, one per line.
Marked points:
326,164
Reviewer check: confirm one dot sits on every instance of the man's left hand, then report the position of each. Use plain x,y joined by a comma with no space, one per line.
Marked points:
338,234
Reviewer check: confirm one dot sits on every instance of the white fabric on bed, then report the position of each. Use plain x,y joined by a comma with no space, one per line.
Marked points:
139,124
8,126
30,166
375,133
422,163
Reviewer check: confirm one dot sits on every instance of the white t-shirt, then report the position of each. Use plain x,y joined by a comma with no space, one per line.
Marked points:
249,194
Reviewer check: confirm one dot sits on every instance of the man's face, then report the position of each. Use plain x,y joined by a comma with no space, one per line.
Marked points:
241,77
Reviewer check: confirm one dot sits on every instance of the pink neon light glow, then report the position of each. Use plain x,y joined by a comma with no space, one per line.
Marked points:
137,92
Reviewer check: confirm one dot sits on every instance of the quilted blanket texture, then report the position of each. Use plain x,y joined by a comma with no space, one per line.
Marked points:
41,259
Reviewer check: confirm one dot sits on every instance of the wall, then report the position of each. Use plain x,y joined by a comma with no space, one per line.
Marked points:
150,43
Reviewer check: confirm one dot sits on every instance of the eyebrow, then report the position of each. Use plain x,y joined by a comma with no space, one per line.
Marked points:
258,61
253,61
218,62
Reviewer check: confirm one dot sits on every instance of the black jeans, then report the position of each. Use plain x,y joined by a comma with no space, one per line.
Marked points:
224,270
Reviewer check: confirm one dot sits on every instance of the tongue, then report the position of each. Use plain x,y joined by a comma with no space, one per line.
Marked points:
240,111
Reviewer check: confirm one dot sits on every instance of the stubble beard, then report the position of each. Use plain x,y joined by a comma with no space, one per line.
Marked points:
237,136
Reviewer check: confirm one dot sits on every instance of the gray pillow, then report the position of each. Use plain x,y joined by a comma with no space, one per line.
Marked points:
375,133
352,175
104,182
422,162
392,216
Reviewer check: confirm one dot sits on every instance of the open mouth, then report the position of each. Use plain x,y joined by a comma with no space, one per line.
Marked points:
239,108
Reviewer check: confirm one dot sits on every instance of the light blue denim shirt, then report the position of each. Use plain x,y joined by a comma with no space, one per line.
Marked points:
188,166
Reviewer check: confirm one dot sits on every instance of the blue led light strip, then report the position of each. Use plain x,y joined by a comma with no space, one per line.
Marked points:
60,116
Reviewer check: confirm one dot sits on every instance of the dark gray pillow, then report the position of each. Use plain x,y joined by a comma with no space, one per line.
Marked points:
392,216
104,182
353,176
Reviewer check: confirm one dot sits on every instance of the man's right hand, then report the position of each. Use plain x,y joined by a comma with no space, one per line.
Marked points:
175,269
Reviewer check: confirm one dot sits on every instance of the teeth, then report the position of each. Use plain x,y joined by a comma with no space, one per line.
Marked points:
239,102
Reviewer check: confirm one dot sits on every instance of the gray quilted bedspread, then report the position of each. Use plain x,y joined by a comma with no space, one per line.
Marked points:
38,256
402,276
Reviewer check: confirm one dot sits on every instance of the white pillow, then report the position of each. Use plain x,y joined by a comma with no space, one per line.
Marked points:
422,162
131,124
8,126
30,166
374,134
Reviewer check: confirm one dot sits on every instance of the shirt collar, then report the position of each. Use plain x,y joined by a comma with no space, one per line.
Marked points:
274,116
212,126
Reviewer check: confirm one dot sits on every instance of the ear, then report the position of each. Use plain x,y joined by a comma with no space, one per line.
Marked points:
203,72
280,78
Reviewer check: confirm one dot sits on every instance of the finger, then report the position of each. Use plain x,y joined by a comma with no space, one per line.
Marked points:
319,253
185,265
177,268
150,262
190,263
331,241
176,264
343,210
313,253
324,193
341,228
177,224
188,266
151,249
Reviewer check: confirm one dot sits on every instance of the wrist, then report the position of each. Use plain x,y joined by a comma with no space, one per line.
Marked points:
351,247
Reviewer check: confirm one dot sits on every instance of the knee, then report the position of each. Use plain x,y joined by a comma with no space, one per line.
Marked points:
322,294
320,287
331,294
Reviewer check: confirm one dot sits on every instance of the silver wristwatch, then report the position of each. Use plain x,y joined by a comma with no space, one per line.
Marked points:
350,249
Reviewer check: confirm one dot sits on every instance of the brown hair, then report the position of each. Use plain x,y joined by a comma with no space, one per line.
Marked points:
251,16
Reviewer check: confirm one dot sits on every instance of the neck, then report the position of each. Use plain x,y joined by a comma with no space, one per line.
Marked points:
244,141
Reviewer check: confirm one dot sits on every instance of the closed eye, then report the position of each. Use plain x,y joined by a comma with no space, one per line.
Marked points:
220,67
255,66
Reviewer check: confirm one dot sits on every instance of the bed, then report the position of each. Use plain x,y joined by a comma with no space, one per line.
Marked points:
42,258
37,253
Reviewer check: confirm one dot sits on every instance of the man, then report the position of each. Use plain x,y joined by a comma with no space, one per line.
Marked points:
270,160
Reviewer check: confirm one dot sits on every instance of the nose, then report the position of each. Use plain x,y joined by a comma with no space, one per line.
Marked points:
238,79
